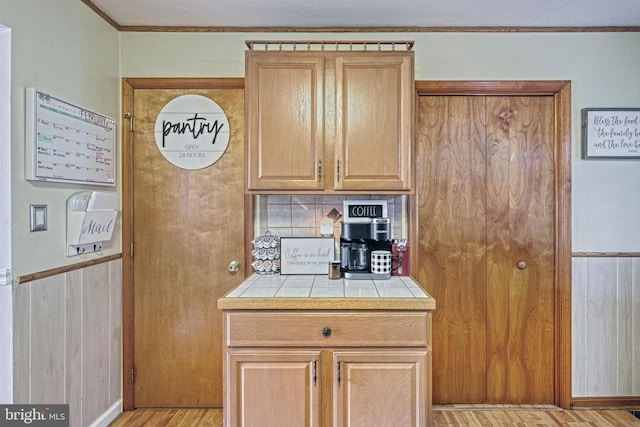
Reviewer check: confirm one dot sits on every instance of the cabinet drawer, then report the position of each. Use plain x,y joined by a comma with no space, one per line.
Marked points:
341,329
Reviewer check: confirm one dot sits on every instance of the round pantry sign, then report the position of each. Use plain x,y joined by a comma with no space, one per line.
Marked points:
192,131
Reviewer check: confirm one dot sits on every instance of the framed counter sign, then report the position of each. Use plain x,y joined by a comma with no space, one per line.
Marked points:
306,255
611,133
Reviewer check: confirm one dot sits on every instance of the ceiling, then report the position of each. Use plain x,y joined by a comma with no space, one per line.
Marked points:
317,14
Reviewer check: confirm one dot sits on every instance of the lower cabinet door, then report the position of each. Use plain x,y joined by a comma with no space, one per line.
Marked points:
382,389
274,388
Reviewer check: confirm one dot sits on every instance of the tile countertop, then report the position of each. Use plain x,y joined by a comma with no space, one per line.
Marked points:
318,292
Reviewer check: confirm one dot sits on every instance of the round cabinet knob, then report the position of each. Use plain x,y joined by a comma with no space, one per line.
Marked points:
326,331
234,266
521,265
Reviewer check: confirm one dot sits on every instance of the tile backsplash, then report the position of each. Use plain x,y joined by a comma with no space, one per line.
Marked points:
300,215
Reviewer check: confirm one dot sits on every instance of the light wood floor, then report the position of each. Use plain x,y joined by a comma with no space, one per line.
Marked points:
443,416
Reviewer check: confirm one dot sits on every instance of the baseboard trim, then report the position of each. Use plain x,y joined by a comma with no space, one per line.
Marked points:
452,407
606,402
109,415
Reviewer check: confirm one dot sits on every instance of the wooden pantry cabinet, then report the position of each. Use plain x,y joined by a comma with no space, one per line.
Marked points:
327,368
329,121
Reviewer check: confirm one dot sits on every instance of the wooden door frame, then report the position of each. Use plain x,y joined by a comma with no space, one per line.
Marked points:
129,85
561,91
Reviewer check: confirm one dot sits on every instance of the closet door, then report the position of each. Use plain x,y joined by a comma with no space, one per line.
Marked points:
486,245
521,250
452,255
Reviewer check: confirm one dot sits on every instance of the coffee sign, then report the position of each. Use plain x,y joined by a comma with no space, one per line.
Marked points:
364,210
192,132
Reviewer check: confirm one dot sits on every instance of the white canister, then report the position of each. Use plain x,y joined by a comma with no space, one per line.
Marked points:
381,262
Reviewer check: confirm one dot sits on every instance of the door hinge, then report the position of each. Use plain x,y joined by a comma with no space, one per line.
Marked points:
319,170
131,250
338,171
315,371
132,377
130,117
338,372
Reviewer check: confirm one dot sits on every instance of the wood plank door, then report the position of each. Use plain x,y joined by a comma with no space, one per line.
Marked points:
485,213
188,225
521,249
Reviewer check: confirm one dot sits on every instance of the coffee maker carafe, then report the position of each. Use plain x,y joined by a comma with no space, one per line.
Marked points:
357,241
357,256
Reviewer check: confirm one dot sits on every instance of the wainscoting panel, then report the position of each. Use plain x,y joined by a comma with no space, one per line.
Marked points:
115,329
68,340
48,341
606,326
95,340
21,344
74,344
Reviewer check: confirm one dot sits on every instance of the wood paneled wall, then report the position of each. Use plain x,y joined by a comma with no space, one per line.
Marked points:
606,326
68,341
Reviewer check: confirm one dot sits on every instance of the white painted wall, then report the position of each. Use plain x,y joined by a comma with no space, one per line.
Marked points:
64,48
6,309
603,69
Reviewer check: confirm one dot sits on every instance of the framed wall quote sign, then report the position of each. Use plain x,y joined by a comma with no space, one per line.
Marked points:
611,133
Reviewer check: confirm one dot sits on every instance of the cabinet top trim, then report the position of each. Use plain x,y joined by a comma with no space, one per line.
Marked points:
331,45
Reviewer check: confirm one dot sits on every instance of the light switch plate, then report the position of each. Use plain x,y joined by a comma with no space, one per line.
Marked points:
38,216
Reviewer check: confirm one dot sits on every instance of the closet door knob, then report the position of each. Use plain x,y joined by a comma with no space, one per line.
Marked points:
234,266
521,265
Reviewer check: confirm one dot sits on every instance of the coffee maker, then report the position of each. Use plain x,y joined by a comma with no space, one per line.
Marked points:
357,241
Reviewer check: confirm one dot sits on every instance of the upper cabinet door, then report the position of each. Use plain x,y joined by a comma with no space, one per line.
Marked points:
329,122
374,121
284,96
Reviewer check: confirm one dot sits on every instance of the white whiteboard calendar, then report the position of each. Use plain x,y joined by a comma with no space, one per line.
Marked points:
68,143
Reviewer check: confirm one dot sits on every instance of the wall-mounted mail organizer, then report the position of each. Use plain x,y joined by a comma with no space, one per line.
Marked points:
91,218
